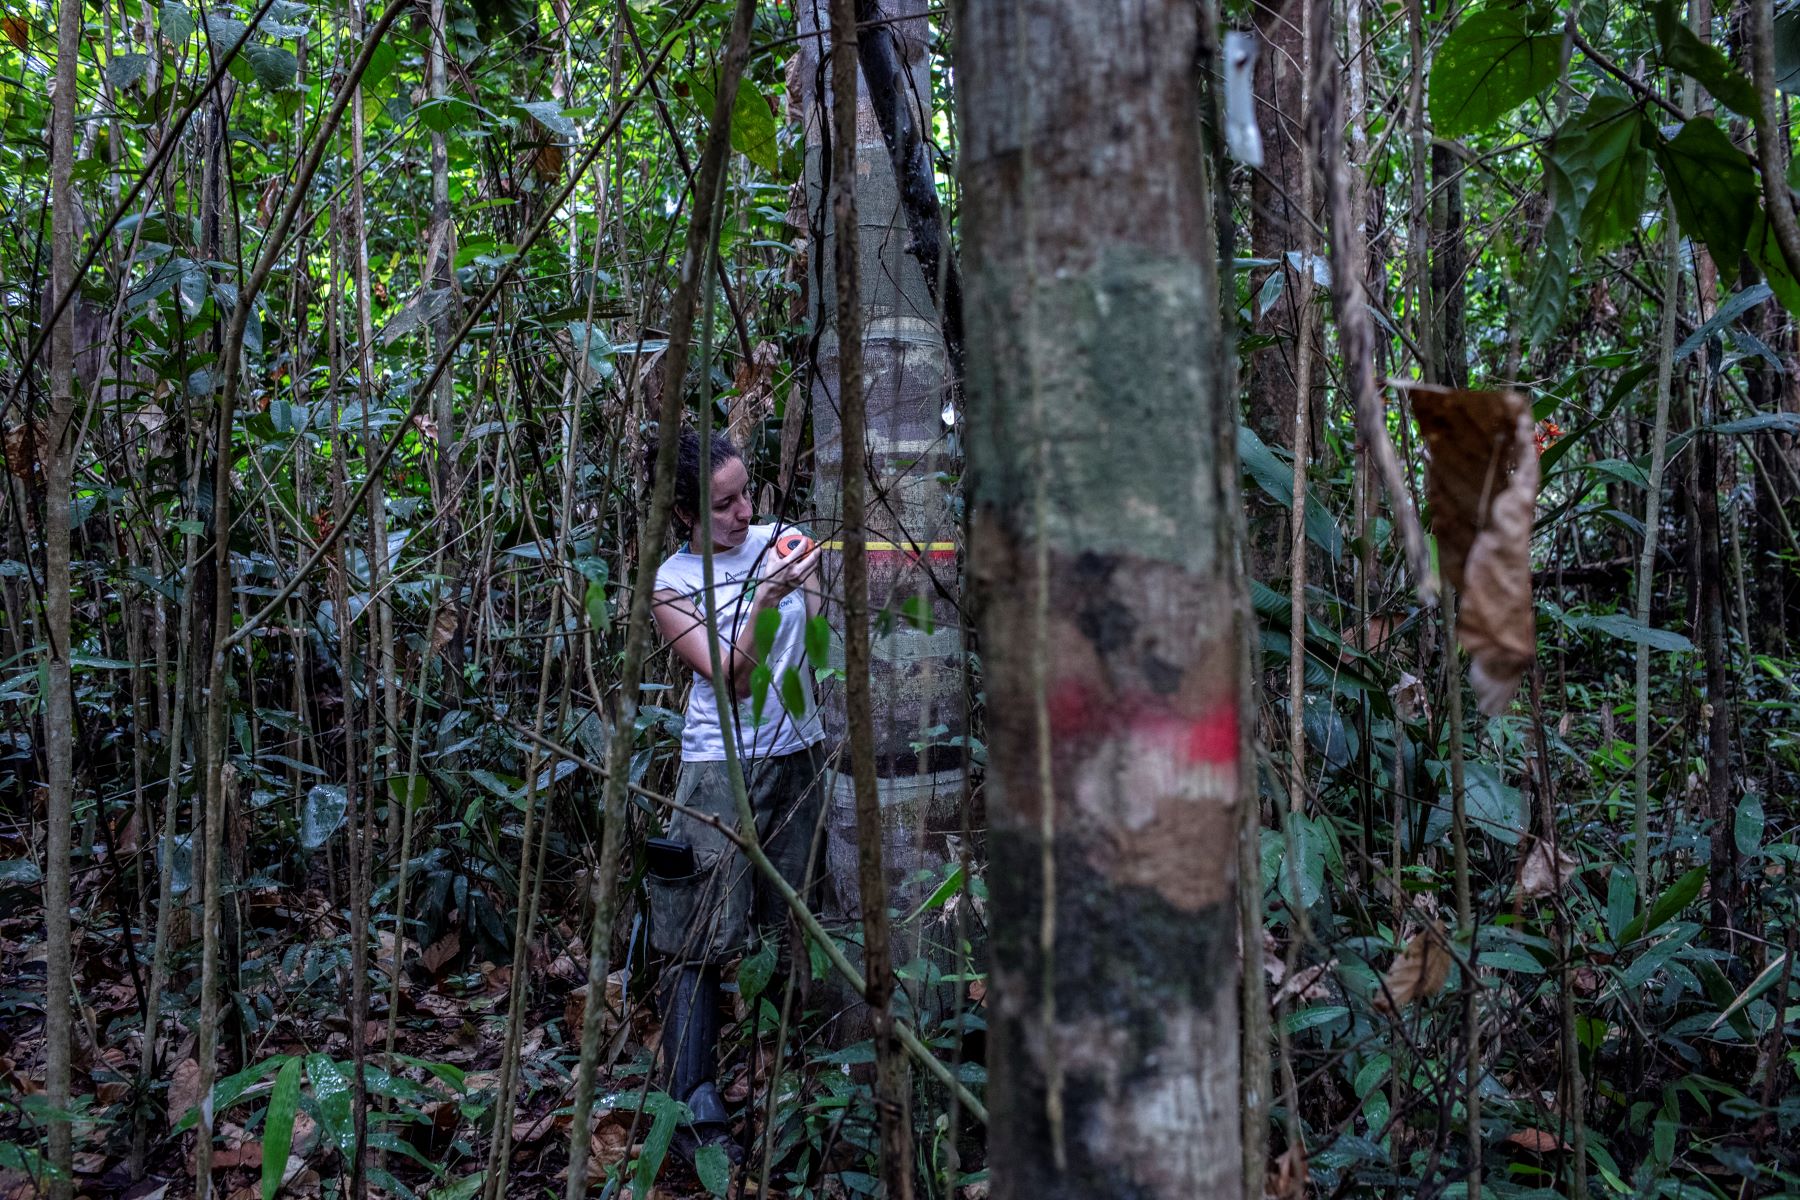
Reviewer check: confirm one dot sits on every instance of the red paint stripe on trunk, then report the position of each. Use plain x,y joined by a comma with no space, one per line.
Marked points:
1078,711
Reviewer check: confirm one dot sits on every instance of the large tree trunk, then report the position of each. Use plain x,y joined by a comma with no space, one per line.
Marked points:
917,680
1100,550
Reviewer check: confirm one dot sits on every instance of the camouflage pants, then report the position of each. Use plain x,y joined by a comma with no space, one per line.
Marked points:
709,916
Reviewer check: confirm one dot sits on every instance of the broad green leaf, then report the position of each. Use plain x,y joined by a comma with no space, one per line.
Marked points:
713,1168
1787,51
1702,61
273,66
228,1091
1733,308
761,680
126,69
1765,252
1496,807
278,1126
656,1143
818,642
1301,877
753,129
1681,893
1713,187
321,813
768,624
381,65
178,23
1769,422
1621,901
1489,65
793,693
755,971
1747,825
1626,629
1276,479
596,607
332,1092
1608,152
549,114
20,873
224,32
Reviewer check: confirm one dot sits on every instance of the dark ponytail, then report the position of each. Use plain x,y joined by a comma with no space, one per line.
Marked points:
687,472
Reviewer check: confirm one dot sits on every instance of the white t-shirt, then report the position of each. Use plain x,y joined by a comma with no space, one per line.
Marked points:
779,733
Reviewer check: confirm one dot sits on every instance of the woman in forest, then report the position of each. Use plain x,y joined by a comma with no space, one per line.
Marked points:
706,901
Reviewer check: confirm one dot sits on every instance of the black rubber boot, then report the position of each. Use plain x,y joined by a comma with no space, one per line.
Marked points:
691,1037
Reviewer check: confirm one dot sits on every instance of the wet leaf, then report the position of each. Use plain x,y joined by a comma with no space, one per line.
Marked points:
278,1126
1484,477
321,813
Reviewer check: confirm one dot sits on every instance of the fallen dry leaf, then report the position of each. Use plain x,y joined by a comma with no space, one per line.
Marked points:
440,953
1305,984
1538,1141
1483,484
1545,871
184,1089
1418,974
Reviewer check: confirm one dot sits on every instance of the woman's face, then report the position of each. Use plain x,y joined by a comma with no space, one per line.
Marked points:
731,510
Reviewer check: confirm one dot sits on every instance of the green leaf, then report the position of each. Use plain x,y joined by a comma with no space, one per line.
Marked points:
1681,893
1620,626
917,611
793,694
1769,422
1713,187
1489,65
20,872
1301,878
761,680
713,1168
126,69
1765,252
549,114
224,32
332,1091
278,1126
1787,51
1703,62
1605,148
755,971
1567,188
818,642
324,809
177,23
1276,479
753,129
598,618
1747,825
656,1143
1733,308
768,624
1494,805
381,65
1621,901
273,66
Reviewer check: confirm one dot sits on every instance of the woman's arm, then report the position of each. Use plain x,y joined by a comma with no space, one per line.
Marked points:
685,628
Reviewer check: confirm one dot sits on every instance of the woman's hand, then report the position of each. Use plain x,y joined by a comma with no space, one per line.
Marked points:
788,574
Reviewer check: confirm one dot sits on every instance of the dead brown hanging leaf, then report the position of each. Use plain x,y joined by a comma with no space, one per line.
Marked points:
1419,973
1545,871
1483,486
1287,1176
754,380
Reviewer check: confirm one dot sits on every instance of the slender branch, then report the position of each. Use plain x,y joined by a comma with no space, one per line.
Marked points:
890,1067
1771,135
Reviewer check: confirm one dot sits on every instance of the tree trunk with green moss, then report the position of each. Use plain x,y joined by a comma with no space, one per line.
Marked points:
1100,553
